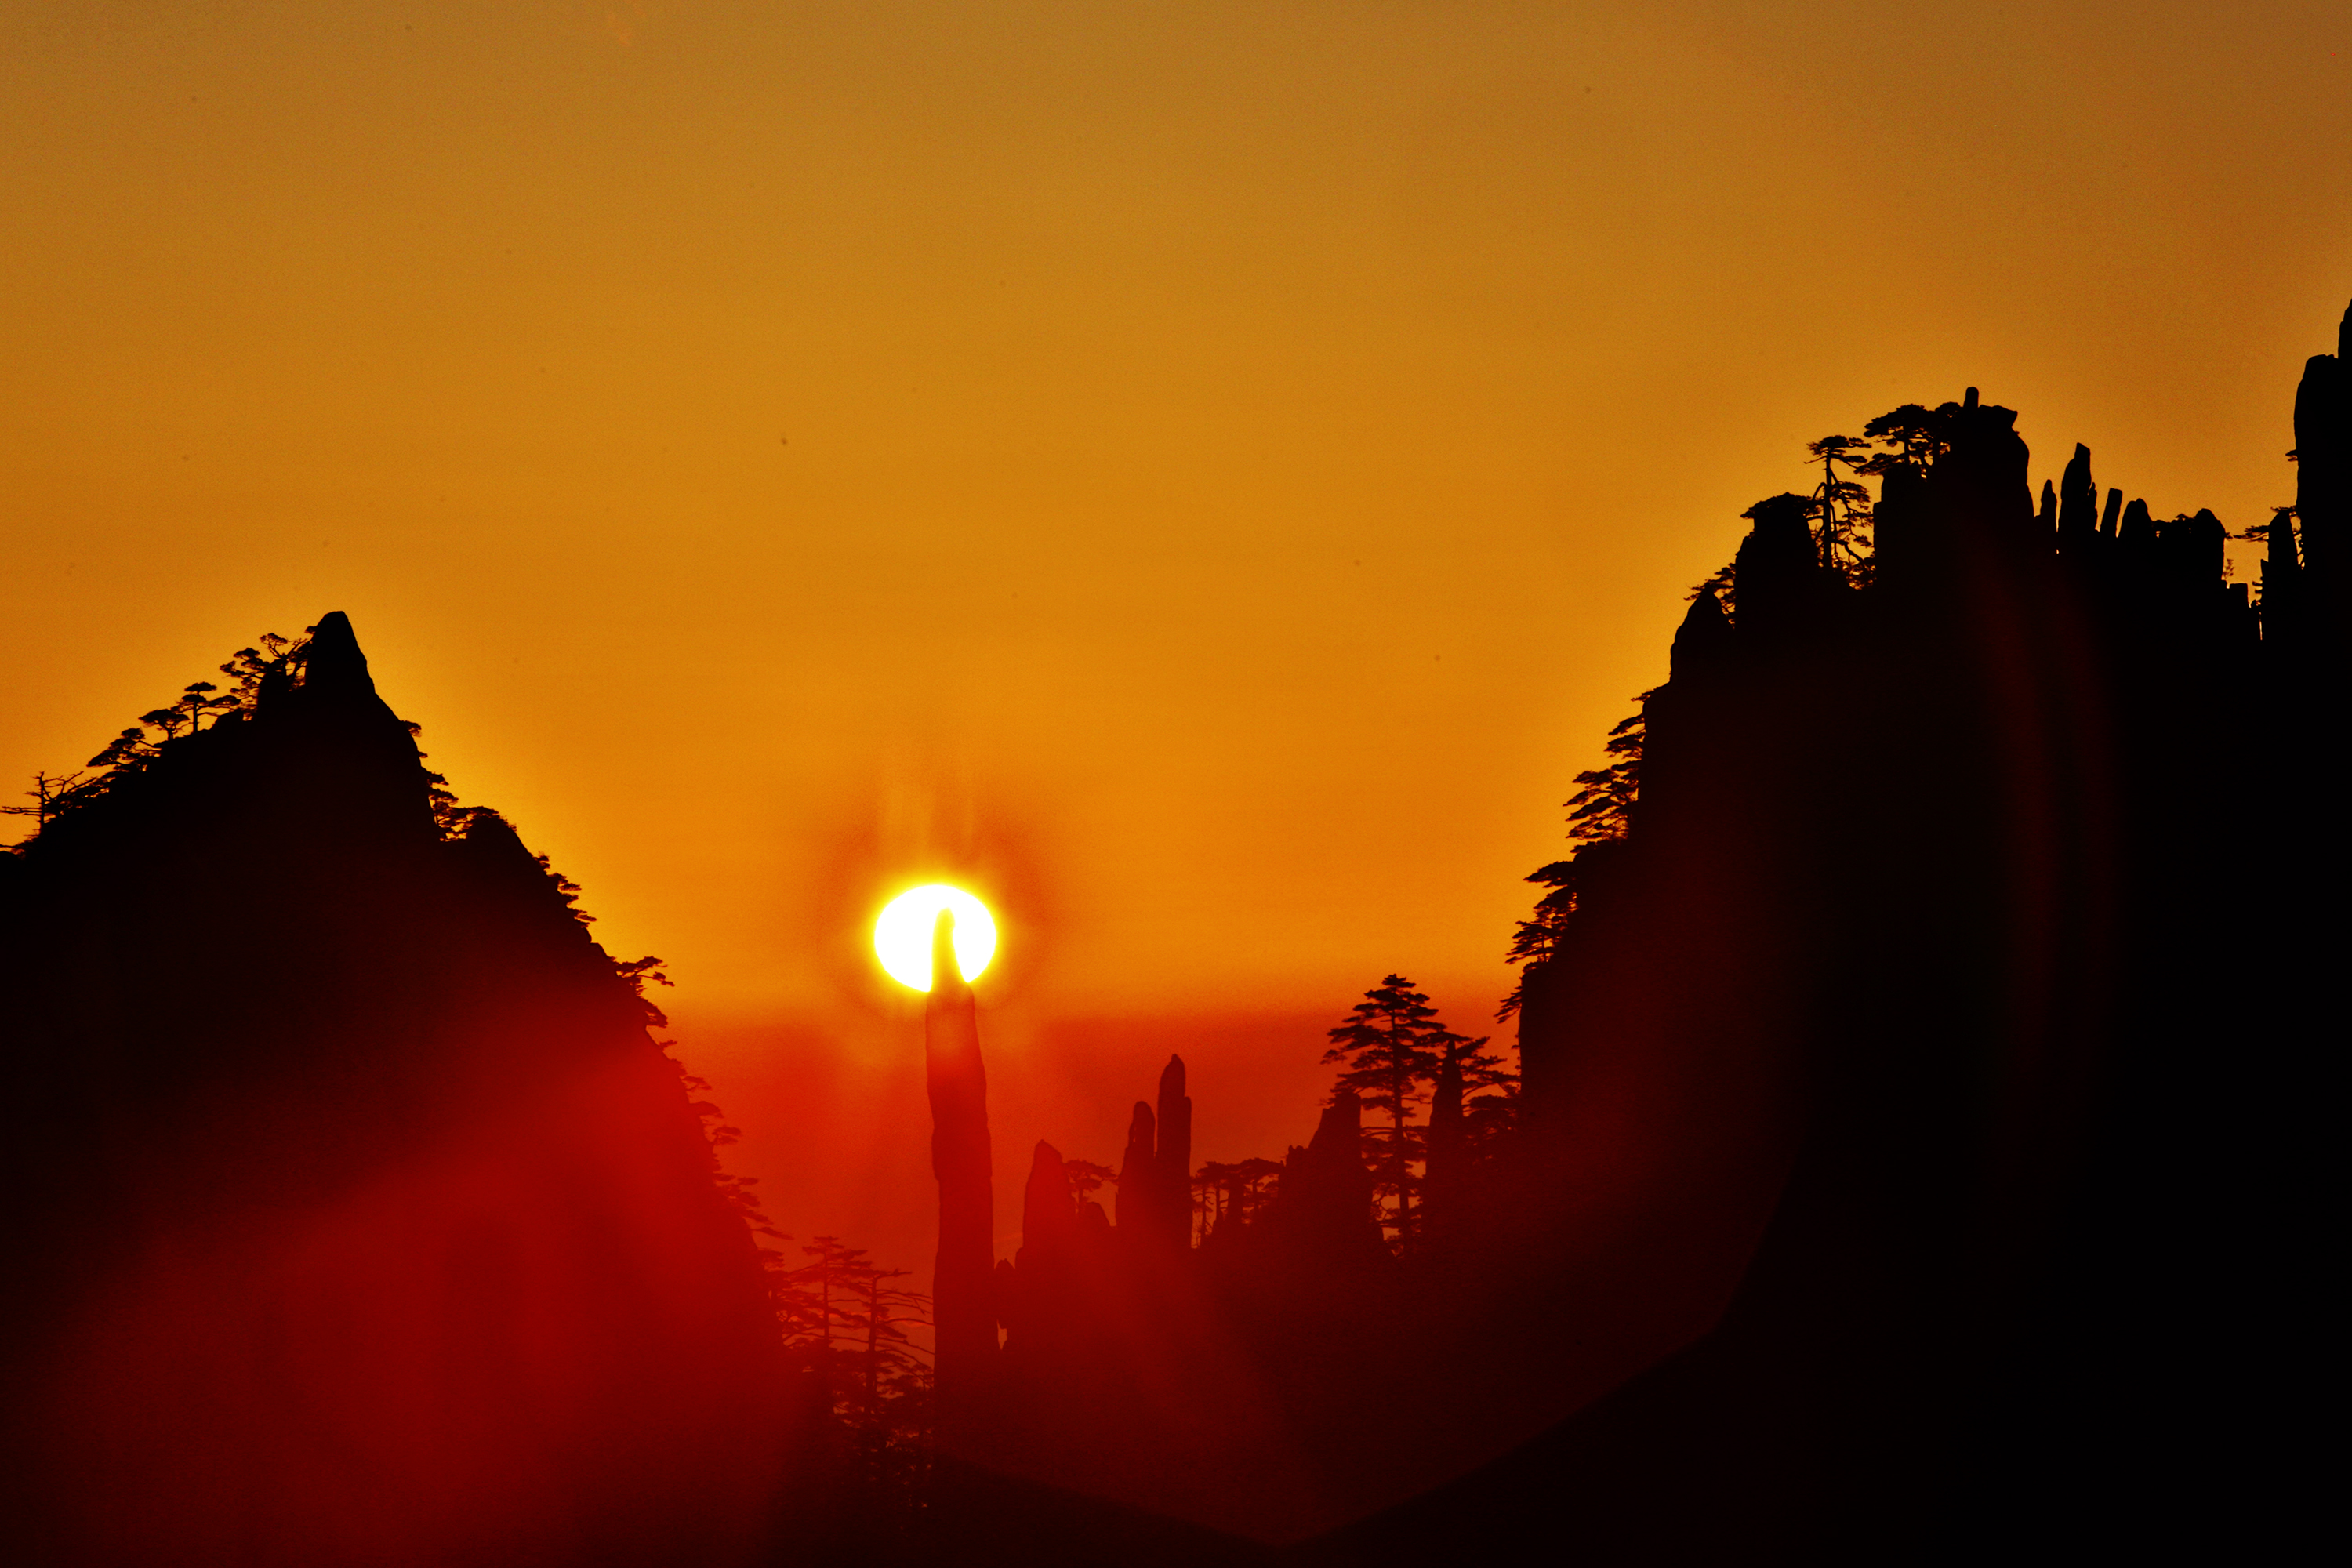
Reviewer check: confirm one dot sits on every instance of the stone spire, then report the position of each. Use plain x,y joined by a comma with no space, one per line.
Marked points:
1703,642
1173,1159
1778,577
2078,503
1049,1215
1441,1183
1138,1174
963,1274
1326,1208
2323,445
334,666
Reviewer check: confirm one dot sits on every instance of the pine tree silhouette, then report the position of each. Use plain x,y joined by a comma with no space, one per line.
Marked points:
1392,1045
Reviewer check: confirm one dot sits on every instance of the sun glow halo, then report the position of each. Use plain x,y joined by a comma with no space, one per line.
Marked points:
902,936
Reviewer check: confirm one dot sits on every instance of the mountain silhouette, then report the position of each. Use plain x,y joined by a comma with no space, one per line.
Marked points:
1921,1074
354,1215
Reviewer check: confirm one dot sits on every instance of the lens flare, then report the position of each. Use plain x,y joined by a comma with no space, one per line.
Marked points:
902,936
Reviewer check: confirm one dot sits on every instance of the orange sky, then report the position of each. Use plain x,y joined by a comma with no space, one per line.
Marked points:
1213,472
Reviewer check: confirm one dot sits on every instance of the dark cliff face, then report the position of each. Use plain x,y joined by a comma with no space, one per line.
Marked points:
1953,867
354,1215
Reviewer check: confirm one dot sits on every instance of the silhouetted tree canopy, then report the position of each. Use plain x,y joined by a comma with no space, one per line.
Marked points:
1087,1177
1916,437
1840,507
1392,1045
1599,812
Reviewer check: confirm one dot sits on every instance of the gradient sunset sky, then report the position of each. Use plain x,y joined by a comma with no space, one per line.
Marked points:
1207,475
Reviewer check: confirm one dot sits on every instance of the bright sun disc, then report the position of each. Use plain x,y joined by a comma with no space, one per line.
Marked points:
902,937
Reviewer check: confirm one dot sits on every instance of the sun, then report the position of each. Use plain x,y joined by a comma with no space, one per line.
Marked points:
902,936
